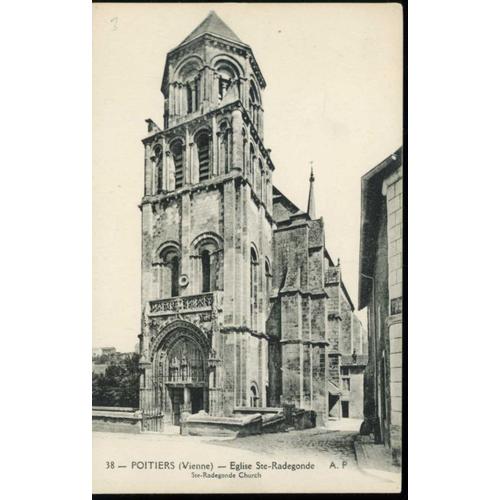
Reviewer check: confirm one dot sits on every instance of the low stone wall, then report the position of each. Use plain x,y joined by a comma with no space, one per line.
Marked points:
273,423
112,419
304,419
246,410
202,424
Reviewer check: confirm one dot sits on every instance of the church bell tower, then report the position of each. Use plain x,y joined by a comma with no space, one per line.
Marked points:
206,231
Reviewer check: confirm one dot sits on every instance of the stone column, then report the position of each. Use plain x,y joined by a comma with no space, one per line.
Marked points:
171,100
166,106
291,348
237,141
215,142
164,173
146,389
187,396
187,158
185,240
147,254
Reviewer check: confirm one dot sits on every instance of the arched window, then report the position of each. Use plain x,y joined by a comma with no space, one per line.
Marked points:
192,95
203,145
254,104
205,271
178,156
228,76
210,263
187,100
158,169
253,288
254,396
169,273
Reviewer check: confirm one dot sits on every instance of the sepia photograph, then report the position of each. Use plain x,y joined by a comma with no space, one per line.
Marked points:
248,248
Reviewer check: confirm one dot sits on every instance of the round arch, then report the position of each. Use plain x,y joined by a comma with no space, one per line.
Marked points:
255,87
187,66
202,129
167,245
177,138
208,236
225,60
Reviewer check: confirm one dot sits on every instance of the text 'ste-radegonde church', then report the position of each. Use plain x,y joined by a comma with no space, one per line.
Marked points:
242,304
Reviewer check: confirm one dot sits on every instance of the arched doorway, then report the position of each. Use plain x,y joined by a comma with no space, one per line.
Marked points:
180,372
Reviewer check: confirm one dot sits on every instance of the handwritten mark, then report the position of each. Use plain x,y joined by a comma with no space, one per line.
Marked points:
114,22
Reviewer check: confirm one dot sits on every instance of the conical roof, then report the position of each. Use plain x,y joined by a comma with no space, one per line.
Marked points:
311,205
214,25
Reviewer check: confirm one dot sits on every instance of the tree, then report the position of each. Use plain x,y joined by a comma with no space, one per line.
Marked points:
119,385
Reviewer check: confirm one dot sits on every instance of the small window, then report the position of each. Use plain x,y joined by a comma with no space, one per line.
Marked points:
346,384
178,156
175,276
344,370
205,271
254,396
203,145
170,273
345,409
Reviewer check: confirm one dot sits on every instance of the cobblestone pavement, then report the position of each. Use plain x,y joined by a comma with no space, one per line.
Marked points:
318,442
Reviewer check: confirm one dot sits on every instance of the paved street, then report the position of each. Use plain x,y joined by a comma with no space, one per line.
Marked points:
313,443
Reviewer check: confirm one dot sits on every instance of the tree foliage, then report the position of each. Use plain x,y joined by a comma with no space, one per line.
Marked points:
119,385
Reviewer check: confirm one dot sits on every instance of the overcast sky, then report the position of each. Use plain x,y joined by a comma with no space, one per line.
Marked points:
333,96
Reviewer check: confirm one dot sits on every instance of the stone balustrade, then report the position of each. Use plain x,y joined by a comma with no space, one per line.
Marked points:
189,303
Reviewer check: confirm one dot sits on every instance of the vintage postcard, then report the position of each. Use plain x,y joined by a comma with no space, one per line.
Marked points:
248,274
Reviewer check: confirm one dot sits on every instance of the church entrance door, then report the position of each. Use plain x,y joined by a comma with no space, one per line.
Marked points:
177,398
180,374
197,399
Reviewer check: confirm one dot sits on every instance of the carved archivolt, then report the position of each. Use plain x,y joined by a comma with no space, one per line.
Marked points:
173,331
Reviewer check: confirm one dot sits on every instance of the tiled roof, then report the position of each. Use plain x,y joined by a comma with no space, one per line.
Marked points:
216,26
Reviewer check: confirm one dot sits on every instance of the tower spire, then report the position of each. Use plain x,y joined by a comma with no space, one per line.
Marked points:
311,208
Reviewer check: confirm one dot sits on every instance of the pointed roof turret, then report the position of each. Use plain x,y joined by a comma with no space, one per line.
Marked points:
311,206
214,25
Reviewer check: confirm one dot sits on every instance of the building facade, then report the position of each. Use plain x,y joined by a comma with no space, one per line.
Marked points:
346,352
381,291
235,300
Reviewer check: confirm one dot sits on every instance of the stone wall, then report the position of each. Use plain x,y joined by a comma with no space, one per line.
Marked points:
345,343
393,190
112,419
355,395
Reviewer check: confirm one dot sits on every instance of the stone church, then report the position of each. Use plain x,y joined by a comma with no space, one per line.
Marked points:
242,305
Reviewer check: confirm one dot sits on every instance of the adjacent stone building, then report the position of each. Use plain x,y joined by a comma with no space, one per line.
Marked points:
381,291
347,350
237,285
